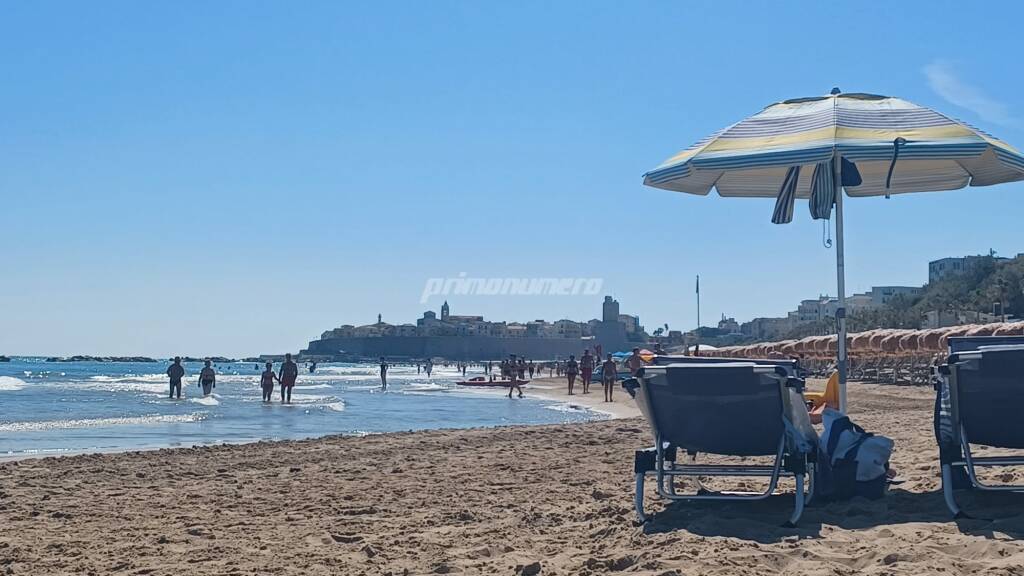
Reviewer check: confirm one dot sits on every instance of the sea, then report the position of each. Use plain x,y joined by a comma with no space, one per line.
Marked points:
52,408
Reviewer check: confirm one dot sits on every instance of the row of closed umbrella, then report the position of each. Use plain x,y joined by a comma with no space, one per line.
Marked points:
891,342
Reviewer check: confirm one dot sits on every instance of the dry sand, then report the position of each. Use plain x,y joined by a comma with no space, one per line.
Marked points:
478,502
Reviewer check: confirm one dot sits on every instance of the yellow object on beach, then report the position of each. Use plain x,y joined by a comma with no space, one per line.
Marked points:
821,400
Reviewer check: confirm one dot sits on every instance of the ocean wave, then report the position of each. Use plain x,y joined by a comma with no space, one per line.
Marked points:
206,401
336,406
309,398
130,378
10,383
570,408
99,422
424,387
312,386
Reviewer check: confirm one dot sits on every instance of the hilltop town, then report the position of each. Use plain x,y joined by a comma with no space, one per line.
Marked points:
470,337
960,290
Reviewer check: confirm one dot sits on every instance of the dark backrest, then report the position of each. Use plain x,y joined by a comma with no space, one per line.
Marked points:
719,408
965,343
990,396
789,365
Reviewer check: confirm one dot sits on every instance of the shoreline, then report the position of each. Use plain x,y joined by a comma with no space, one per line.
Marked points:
556,389
550,390
481,501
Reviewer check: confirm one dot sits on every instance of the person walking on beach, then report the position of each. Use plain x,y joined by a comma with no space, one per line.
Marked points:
529,368
207,379
634,362
429,367
609,373
572,368
176,372
287,376
383,373
267,382
586,370
512,374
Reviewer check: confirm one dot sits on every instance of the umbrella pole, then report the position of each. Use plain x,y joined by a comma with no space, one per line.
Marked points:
840,281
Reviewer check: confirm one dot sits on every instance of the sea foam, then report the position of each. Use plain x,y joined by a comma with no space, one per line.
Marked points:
10,383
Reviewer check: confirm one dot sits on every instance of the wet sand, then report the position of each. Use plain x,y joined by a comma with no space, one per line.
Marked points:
622,406
496,501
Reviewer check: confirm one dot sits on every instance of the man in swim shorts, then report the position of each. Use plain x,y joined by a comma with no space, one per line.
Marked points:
609,373
267,381
286,376
512,373
176,372
207,379
383,373
586,370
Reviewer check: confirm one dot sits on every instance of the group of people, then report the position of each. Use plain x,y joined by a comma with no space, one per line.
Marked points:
286,377
512,369
516,368
584,368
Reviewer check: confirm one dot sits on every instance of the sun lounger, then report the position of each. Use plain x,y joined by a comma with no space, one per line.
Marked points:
737,408
979,401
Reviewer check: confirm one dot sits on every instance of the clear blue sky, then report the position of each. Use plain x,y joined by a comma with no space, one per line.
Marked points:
236,177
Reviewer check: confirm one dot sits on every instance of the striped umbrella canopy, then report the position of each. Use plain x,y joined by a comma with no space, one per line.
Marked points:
865,144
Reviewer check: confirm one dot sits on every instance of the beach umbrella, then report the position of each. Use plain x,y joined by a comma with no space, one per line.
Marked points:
865,144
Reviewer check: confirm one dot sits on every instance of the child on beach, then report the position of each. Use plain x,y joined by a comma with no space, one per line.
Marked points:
267,381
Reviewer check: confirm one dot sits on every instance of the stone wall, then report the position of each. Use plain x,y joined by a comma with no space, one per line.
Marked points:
450,347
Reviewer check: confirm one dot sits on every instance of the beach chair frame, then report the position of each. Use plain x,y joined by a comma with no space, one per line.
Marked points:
788,462
956,456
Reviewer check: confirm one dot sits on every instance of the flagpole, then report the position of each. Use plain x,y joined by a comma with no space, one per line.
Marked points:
698,312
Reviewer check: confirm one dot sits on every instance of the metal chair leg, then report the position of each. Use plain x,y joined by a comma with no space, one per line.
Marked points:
638,499
947,491
798,507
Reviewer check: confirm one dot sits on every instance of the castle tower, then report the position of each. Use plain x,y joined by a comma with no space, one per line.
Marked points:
444,311
610,310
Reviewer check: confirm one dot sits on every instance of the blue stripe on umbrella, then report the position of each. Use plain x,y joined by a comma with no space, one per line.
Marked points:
783,213
823,191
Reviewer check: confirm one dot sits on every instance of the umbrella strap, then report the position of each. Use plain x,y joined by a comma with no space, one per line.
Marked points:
899,141
826,233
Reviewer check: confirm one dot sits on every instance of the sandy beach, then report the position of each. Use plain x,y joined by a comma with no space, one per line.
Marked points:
483,501
556,388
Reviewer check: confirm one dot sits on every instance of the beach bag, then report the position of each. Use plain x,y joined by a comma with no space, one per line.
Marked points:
851,461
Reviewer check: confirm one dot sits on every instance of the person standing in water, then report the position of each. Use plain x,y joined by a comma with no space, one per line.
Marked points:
267,382
429,367
529,368
572,368
609,373
512,374
176,372
586,370
207,379
383,373
287,376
